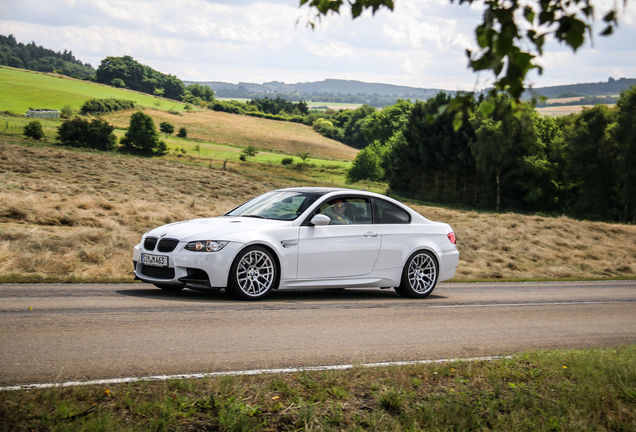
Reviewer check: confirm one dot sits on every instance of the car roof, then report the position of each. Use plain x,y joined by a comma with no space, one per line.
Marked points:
326,190
316,190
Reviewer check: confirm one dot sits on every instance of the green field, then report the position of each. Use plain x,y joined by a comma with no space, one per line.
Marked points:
21,90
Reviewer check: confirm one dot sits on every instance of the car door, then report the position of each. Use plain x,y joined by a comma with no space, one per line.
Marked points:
340,250
393,224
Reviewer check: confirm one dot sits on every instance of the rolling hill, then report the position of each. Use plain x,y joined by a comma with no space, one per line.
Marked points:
22,89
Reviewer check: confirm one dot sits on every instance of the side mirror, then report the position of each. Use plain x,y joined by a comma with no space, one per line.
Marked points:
320,220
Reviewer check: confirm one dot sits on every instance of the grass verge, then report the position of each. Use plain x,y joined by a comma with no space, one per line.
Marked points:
573,390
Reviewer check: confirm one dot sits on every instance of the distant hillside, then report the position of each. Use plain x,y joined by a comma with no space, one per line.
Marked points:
611,87
380,95
330,90
333,86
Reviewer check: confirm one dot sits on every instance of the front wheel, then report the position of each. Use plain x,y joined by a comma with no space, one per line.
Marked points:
253,274
419,276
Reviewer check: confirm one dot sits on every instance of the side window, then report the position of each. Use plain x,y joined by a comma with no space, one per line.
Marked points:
350,210
387,213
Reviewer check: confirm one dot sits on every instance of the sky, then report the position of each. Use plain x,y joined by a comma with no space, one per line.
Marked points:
421,43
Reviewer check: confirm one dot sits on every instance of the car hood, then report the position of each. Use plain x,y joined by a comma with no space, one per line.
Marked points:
217,228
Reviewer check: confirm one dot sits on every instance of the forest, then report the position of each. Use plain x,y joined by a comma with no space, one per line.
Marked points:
37,58
500,159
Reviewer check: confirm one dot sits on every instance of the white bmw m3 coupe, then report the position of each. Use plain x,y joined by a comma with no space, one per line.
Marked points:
306,237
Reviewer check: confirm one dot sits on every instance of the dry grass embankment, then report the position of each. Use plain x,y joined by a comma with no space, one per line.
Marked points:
237,130
76,216
68,215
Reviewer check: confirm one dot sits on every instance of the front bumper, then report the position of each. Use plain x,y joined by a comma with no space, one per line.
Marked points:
198,270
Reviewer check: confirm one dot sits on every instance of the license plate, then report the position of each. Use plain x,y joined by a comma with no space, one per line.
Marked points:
154,260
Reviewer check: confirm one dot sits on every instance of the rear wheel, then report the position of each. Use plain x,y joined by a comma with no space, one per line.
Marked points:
419,276
253,274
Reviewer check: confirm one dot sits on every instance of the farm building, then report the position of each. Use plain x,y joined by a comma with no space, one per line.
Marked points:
42,113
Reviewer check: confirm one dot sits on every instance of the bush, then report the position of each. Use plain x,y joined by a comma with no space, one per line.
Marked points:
142,136
118,82
10,113
106,105
166,128
96,134
287,161
183,133
66,112
34,130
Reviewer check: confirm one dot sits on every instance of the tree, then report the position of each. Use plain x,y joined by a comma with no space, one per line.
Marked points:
382,125
197,90
512,34
183,133
138,77
96,134
591,164
142,137
304,156
625,135
503,142
367,165
353,133
432,160
34,130
166,127
249,151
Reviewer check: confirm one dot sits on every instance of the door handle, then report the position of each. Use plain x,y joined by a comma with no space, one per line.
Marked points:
370,234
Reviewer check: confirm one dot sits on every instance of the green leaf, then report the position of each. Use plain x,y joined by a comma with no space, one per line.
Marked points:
529,14
486,108
457,121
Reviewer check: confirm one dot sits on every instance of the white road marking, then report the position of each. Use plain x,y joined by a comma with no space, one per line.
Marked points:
237,373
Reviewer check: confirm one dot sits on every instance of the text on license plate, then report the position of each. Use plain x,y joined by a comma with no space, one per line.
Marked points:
154,260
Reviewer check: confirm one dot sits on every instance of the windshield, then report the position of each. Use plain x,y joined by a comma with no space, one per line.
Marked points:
286,205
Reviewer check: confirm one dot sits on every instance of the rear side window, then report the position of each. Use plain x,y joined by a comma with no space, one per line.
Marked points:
387,213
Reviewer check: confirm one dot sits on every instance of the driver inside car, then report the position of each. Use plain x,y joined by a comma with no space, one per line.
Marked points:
336,212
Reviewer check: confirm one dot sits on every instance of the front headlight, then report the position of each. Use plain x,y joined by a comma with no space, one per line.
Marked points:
206,245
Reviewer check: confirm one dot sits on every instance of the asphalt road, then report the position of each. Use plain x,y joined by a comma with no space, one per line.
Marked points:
56,333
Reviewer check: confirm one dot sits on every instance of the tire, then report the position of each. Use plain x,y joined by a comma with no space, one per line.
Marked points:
419,276
169,288
253,274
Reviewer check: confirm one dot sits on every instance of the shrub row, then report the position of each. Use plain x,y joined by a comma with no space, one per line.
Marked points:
93,106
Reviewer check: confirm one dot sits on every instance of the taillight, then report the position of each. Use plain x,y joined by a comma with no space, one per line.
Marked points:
451,237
